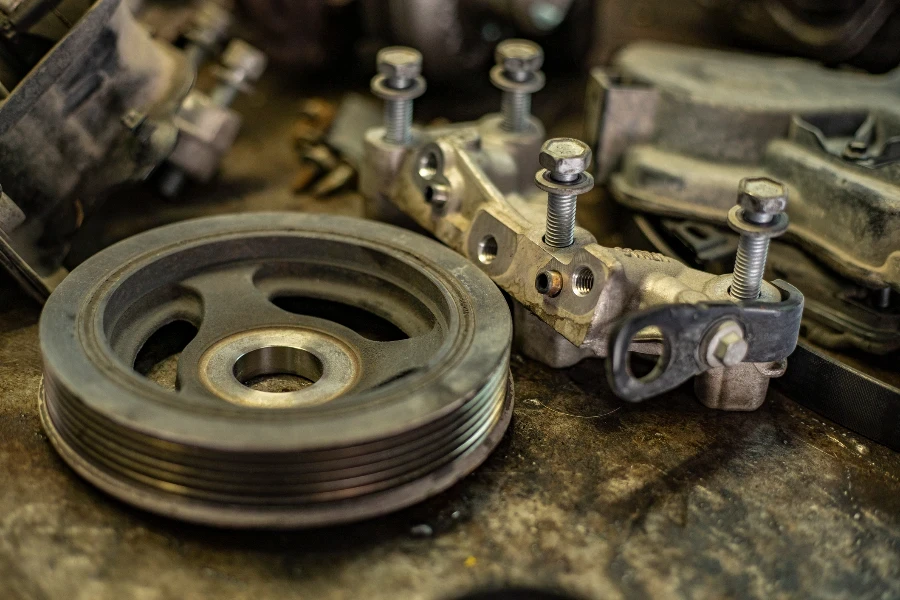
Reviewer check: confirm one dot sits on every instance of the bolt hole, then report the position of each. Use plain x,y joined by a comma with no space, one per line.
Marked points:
487,249
583,281
542,283
649,359
278,369
428,165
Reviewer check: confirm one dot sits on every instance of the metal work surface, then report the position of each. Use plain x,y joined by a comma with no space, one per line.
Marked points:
606,500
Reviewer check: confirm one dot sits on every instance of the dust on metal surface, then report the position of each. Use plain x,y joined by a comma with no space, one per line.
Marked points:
666,498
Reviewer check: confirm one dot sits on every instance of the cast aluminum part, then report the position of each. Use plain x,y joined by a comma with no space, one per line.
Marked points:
105,106
674,128
472,186
404,343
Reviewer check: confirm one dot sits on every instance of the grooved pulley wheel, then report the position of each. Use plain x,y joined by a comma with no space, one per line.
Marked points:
275,370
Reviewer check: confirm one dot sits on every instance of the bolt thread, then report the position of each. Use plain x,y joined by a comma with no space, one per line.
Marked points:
560,221
398,116
515,107
749,267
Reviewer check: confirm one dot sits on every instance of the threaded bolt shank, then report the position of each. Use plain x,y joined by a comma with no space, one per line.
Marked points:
560,220
749,267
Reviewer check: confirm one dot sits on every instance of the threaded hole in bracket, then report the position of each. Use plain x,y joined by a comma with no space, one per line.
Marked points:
582,281
487,249
428,166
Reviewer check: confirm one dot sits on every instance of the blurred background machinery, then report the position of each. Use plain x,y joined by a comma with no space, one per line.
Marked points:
89,101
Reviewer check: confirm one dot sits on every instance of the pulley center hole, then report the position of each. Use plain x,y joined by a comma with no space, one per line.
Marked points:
278,369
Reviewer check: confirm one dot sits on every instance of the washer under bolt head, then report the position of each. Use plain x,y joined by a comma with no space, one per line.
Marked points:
758,216
725,345
761,199
548,283
565,158
399,64
519,58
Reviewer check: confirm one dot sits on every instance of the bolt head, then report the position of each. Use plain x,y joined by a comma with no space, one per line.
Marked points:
565,156
399,62
726,345
519,56
241,57
762,195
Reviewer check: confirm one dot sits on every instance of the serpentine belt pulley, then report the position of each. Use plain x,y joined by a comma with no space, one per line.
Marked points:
406,343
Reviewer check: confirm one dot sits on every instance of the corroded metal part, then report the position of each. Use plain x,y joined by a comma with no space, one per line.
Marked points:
400,394
500,227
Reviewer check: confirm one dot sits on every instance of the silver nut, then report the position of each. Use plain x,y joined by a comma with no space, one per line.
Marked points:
241,57
762,195
399,62
725,345
519,56
565,156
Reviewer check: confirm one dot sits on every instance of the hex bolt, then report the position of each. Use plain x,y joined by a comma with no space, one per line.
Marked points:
563,177
242,66
548,283
758,217
517,74
399,82
725,345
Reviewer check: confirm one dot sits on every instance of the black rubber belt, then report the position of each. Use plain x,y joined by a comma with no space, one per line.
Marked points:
843,394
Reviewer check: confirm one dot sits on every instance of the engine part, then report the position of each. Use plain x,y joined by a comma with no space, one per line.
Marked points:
844,394
758,217
675,128
207,128
459,36
104,106
405,342
518,75
472,186
860,33
398,83
837,313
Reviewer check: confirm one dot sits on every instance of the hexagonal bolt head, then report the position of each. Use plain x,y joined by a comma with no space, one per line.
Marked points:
242,57
762,196
399,63
519,56
565,157
726,345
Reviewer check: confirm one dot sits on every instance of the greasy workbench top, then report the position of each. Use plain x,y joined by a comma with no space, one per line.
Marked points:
585,494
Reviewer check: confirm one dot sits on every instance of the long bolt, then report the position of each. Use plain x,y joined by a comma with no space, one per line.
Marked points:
518,75
563,178
515,108
401,68
749,267
758,217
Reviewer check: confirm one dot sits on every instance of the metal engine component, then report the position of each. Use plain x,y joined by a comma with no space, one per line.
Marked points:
103,106
207,127
472,186
674,128
398,348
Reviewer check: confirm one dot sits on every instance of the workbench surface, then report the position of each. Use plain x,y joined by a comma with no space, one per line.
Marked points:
587,494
